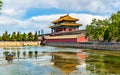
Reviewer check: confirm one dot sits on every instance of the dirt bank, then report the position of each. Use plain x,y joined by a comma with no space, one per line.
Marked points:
31,43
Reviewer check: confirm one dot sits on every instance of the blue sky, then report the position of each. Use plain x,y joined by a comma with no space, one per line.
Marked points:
34,15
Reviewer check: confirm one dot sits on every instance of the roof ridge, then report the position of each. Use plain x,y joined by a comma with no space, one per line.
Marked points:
65,17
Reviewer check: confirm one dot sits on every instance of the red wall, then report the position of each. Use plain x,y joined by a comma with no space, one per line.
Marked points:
82,39
79,39
62,40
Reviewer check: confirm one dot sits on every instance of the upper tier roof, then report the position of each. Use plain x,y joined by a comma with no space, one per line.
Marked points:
66,18
75,24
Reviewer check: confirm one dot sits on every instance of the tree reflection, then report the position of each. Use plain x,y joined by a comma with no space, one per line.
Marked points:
36,53
24,54
30,54
14,53
18,54
103,64
6,53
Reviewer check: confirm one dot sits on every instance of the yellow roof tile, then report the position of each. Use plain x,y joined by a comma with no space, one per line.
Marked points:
66,18
75,24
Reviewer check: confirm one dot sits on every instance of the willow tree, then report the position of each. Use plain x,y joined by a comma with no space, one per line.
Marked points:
109,28
115,25
96,29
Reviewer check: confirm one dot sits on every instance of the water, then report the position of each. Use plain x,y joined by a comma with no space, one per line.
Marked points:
46,60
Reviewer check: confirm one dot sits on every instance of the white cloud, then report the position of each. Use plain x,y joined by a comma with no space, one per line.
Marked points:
11,24
85,19
15,7
13,10
8,21
41,22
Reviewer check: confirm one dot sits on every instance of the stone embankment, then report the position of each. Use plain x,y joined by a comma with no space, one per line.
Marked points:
30,43
90,45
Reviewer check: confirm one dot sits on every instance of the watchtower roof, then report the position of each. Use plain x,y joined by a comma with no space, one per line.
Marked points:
66,18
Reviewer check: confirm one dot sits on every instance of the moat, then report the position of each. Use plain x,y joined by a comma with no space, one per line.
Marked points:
47,60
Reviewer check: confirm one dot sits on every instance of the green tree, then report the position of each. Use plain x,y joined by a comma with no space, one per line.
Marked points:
109,28
36,36
5,36
24,38
96,29
30,36
115,25
13,37
0,38
107,35
1,3
19,37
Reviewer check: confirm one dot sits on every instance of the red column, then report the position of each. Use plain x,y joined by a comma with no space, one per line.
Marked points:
62,29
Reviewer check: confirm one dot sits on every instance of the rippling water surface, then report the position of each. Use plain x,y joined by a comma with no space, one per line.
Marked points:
46,60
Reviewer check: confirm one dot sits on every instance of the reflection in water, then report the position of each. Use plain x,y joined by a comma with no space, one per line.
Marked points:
24,54
63,61
113,68
30,54
36,54
82,58
5,53
66,62
103,64
18,54
14,53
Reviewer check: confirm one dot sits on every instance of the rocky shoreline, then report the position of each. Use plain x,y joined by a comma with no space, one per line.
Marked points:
90,45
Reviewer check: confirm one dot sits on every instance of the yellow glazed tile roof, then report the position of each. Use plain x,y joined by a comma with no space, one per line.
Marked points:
66,17
75,24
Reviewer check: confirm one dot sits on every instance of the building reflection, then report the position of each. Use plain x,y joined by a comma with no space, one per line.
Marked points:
65,61
82,59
